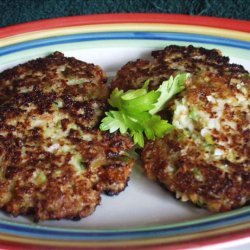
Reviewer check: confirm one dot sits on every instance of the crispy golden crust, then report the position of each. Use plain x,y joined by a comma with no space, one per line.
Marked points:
54,162
206,159
54,72
78,83
181,167
171,61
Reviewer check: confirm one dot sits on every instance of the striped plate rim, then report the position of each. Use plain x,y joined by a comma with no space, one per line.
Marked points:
233,33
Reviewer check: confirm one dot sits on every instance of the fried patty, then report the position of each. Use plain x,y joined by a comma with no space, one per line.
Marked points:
171,61
206,158
78,82
54,162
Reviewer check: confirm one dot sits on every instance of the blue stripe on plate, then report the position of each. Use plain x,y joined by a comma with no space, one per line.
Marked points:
37,231
124,35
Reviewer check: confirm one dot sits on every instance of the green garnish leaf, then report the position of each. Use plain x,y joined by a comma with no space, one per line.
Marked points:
138,138
115,98
137,110
132,94
158,126
168,89
141,103
114,121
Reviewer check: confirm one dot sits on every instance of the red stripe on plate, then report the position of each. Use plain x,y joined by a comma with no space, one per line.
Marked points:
216,22
204,241
208,241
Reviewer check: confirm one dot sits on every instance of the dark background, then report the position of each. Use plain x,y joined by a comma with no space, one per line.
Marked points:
19,11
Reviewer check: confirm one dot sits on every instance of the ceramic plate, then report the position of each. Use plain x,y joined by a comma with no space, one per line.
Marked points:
144,214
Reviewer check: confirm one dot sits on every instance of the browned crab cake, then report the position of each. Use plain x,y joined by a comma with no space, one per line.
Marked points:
206,158
54,162
78,82
171,61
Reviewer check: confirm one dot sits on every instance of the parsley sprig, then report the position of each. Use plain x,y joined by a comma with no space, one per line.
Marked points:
136,110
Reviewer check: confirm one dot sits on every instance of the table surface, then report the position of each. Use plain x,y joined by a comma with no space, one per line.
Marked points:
19,11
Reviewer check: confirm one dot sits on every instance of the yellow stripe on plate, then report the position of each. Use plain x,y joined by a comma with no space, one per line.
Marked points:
191,29
117,243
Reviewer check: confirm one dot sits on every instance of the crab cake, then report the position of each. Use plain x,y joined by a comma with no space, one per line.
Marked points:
78,82
206,158
54,162
171,61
